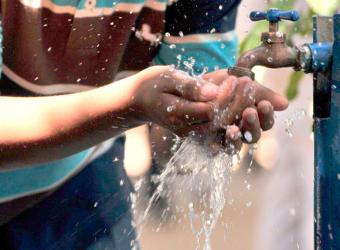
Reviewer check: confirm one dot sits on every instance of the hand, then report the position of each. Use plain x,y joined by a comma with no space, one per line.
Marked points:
174,100
244,107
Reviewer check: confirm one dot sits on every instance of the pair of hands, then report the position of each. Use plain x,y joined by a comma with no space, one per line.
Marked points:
237,107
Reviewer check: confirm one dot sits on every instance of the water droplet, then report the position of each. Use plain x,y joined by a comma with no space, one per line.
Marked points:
289,123
220,7
121,183
248,136
279,34
95,204
170,109
191,205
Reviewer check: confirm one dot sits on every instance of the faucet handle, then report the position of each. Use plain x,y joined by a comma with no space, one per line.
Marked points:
274,15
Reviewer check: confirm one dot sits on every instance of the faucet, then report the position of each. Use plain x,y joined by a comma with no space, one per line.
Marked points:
322,58
273,52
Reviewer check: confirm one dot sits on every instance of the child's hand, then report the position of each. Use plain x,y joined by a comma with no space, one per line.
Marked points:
174,100
244,107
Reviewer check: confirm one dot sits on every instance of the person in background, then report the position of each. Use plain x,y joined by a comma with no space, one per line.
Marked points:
80,198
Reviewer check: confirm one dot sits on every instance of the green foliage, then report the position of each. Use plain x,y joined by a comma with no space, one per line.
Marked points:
293,87
325,8
252,39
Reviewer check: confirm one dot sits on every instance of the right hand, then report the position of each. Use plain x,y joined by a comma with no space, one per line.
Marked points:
174,100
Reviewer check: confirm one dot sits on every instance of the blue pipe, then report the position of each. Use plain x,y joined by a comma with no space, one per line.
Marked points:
327,159
321,56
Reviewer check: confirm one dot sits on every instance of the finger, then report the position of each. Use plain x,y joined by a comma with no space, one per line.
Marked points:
251,128
262,93
216,77
233,139
182,112
226,92
187,87
266,115
241,98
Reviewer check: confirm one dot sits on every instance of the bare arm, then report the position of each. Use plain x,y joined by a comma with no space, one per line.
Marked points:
43,129
35,129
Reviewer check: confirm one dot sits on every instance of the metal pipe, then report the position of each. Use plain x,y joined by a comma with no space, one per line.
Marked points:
327,144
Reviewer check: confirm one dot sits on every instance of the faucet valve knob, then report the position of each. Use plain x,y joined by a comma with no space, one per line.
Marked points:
274,15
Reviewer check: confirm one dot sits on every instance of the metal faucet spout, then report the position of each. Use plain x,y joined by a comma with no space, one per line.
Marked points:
273,52
269,55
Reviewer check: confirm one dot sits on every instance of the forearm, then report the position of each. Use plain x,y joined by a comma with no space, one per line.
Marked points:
35,129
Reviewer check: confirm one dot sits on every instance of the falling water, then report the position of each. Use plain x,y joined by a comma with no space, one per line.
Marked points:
195,158
289,123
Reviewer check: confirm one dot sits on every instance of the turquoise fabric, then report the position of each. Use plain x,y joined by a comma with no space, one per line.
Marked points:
80,4
210,55
20,182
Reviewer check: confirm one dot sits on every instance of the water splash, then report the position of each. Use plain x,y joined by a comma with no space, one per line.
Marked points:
195,159
289,123
207,168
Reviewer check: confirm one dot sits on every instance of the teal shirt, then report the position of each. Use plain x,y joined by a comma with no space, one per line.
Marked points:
206,39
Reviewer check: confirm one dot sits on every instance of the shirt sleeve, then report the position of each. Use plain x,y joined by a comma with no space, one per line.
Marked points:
200,33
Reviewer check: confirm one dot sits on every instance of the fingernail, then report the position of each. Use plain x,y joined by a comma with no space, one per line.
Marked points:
265,109
251,118
248,136
209,91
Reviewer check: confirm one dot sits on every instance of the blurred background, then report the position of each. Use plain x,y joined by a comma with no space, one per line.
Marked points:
270,204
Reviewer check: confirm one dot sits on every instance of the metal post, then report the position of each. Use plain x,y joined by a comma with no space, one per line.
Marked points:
327,140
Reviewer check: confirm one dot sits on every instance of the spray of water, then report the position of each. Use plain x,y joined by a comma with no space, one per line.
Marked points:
194,159
193,156
289,123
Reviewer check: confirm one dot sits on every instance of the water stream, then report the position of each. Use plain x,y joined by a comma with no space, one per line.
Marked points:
193,157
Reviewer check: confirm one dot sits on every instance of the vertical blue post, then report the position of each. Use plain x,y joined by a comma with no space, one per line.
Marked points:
327,158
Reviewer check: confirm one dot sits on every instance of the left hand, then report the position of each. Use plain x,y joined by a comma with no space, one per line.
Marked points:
244,107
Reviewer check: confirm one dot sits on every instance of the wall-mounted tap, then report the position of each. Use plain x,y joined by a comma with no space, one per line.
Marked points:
322,57
275,53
